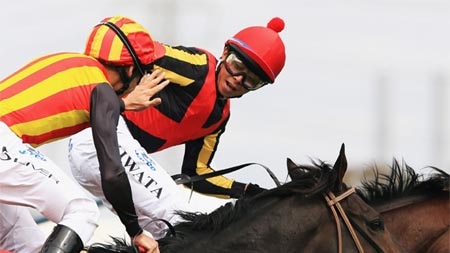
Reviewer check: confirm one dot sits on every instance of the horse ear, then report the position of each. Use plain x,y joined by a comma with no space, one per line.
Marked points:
341,167
291,166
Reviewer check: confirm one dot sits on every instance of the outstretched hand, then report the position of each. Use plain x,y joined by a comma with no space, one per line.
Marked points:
141,97
146,244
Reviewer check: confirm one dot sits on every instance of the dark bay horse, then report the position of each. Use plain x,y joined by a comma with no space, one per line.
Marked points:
415,207
315,212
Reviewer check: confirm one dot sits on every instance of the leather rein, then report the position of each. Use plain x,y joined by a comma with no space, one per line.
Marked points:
336,209
184,179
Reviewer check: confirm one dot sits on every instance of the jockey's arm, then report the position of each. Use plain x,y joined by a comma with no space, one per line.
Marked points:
197,161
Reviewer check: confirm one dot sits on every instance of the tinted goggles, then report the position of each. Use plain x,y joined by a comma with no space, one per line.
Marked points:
234,66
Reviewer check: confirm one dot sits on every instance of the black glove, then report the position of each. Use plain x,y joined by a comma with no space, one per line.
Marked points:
252,190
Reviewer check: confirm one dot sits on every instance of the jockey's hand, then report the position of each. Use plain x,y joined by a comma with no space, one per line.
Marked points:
252,189
142,96
146,244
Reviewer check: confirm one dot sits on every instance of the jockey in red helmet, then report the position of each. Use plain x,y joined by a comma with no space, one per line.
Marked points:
261,48
195,113
254,57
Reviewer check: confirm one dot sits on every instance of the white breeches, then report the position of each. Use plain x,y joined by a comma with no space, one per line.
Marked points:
29,178
155,194
18,231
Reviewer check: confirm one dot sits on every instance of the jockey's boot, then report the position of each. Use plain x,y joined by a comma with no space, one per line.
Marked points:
62,240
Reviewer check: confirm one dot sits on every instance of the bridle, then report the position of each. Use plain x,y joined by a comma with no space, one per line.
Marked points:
333,203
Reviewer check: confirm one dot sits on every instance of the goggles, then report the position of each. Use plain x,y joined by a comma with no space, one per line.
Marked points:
235,67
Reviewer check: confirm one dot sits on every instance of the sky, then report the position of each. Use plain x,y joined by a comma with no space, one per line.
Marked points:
374,75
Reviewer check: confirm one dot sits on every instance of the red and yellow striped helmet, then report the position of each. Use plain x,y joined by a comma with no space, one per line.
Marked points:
108,43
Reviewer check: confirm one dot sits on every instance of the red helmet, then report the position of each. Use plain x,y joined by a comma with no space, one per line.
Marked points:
263,46
121,41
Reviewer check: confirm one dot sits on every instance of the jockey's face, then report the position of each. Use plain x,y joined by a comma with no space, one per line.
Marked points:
229,85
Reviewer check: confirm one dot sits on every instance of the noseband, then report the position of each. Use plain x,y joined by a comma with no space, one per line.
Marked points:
333,203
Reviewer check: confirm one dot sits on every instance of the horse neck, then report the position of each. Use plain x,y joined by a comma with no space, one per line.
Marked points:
387,206
270,221
420,217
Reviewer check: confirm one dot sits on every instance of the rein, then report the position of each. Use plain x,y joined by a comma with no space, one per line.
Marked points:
333,203
170,227
184,179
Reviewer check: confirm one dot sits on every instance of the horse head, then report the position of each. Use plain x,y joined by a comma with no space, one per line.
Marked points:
356,214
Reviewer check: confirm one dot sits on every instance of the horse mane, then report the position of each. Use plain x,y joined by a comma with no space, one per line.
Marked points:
402,181
119,245
309,181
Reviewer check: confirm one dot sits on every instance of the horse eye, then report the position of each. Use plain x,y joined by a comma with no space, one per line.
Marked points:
376,225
